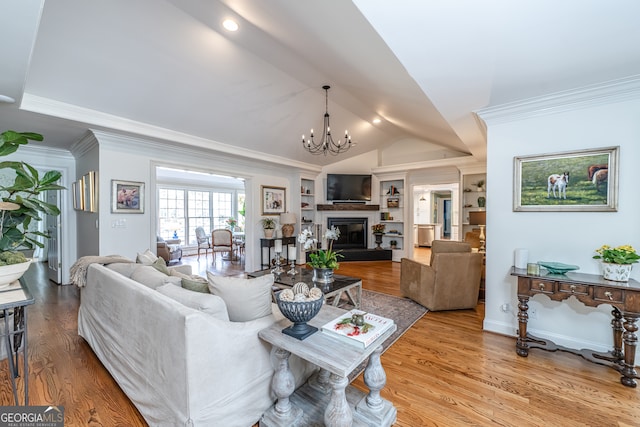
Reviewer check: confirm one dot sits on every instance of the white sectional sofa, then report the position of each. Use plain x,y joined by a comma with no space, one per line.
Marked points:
178,365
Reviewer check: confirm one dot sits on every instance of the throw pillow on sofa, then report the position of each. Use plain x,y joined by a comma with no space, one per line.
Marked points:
152,278
246,299
196,284
192,282
160,265
210,304
146,258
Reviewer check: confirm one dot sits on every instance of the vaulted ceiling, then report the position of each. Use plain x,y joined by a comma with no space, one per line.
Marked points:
166,70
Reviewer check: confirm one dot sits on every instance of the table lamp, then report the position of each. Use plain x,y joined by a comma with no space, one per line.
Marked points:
287,220
479,219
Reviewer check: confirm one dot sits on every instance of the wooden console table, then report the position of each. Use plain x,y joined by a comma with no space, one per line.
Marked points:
592,290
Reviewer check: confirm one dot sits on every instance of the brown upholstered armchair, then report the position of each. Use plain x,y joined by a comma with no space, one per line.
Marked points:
169,250
450,282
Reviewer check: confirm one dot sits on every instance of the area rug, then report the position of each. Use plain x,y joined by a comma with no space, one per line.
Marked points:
403,311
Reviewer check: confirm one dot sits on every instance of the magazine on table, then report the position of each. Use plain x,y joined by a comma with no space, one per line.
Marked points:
357,327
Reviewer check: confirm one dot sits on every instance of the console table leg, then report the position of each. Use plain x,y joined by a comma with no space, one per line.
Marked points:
320,381
283,385
630,341
373,409
338,412
523,317
616,326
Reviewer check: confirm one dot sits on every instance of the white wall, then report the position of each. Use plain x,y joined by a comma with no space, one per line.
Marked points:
566,124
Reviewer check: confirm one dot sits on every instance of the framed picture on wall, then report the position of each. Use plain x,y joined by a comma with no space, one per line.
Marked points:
573,181
273,200
127,197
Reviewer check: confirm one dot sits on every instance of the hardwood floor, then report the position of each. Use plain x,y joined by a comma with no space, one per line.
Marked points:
445,371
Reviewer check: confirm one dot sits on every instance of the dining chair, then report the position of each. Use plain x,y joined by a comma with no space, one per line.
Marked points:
203,241
222,241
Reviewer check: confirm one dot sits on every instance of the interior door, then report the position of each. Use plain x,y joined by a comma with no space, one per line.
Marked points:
54,243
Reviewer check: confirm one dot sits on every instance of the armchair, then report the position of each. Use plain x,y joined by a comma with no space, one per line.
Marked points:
203,241
222,241
169,250
450,282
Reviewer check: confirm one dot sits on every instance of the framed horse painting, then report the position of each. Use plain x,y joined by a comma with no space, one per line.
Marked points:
574,181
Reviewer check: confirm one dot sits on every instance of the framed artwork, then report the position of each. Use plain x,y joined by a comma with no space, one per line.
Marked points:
77,190
273,200
127,197
573,181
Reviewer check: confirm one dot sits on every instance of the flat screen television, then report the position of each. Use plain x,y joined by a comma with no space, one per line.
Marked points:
344,187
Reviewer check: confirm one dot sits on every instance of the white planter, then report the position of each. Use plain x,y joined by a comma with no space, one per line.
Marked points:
11,273
616,272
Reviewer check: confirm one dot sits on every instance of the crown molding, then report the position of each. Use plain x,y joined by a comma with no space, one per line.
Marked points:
48,152
97,119
588,96
87,143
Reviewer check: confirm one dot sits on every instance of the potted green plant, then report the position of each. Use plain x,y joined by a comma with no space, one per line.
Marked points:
21,205
268,224
393,244
617,262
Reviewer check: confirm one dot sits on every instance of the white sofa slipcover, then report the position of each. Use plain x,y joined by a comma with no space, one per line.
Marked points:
179,366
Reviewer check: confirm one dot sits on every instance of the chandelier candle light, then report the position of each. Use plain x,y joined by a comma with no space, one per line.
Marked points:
326,143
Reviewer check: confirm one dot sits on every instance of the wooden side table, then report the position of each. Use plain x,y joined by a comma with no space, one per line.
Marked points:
326,399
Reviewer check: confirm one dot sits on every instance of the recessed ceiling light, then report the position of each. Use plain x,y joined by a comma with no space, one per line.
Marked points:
230,25
376,121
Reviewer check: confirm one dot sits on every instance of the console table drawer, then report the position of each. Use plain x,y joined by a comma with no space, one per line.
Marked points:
573,289
541,286
608,295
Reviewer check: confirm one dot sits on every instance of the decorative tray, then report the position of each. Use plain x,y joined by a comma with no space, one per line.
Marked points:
557,267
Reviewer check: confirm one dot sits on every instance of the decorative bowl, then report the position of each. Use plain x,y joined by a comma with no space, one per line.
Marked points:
557,267
299,312
11,273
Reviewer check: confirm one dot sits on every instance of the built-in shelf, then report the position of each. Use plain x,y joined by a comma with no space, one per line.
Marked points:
348,207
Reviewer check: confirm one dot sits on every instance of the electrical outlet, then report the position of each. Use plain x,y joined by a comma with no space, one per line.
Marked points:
533,313
505,308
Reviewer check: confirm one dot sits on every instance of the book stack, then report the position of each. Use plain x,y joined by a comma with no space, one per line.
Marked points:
344,328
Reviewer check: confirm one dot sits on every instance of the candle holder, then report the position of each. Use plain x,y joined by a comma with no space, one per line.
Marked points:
292,271
292,252
278,270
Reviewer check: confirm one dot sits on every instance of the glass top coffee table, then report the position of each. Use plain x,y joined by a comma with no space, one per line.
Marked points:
351,287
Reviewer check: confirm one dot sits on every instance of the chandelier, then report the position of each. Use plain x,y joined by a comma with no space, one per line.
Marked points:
326,143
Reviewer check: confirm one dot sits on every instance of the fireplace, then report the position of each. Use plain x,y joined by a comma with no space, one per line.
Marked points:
353,232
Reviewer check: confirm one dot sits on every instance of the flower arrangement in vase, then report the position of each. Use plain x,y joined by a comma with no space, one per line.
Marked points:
232,223
323,261
617,262
378,228
378,231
